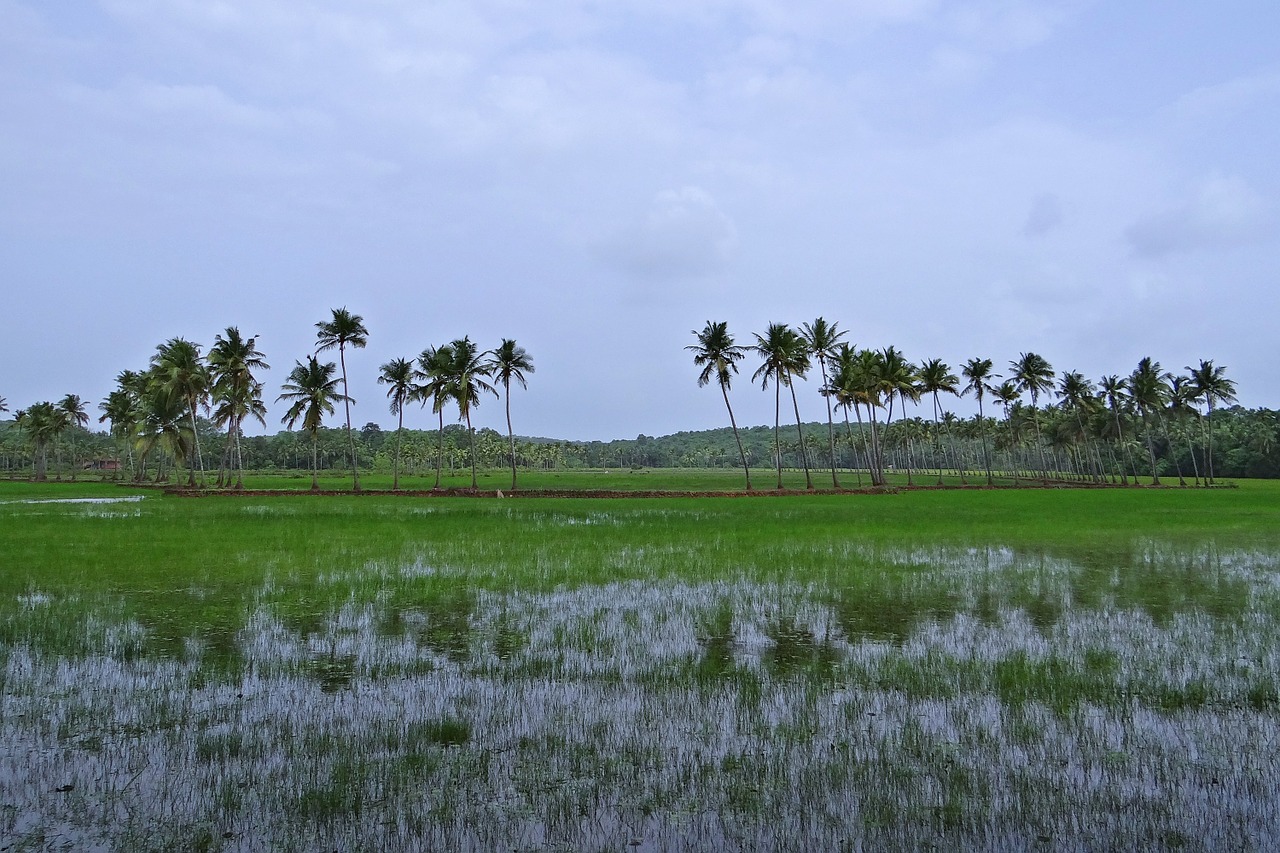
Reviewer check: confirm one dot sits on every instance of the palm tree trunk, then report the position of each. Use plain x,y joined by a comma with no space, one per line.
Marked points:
1151,450
395,473
506,393
346,403
777,415
986,454
831,430
1209,461
472,434
804,456
439,448
315,461
742,454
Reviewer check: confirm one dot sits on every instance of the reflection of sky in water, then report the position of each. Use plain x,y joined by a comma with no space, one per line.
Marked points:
990,698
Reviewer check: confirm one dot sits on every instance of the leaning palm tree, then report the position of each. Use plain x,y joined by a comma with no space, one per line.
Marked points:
979,375
718,356
1212,386
433,369
784,355
1033,375
936,377
466,379
178,370
236,392
1149,390
822,339
510,361
343,330
312,390
397,375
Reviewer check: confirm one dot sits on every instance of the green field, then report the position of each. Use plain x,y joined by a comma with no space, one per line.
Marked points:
990,668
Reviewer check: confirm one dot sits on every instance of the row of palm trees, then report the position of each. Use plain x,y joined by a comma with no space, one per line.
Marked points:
870,380
158,407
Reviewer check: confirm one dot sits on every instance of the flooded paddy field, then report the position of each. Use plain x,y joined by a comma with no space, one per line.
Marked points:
701,675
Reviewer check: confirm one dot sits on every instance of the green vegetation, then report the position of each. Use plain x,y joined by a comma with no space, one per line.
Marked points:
893,669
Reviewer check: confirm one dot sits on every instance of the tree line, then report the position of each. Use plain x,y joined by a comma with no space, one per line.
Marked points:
155,413
1094,425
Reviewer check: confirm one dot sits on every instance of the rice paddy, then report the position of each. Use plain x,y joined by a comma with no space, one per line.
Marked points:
1004,670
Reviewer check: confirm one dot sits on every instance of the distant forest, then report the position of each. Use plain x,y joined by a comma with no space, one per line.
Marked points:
1246,444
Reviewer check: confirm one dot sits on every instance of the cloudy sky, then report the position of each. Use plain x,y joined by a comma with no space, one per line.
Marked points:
1094,181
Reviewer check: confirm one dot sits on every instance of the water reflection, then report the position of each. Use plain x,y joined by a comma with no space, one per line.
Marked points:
956,698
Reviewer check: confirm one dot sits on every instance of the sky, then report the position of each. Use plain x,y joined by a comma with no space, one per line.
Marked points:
1092,181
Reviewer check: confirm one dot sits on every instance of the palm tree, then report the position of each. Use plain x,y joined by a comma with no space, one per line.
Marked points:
1212,386
236,392
43,422
718,356
177,370
1182,400
785,355
465,382
510,361
121,409
978,372
163,423
434,364
1149,390
342,330
848,387
1077,395
73,407
895,376
822,338
1006,394
397,374
936,377
312,391
1115,393
1033,375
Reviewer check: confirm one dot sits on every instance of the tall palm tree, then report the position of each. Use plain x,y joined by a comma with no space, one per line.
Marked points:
236,392
312,390
397,375
848,386
163,422
784,356
935,378
178,370
1149,389
979,374
1033,375
120,408
466,379
434,365
1211,385
343,330
506,362
822,339
1115,393
718,356
1078,396
73,407
1182,406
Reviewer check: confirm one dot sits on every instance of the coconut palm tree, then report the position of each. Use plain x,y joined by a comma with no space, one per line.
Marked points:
43,422
784,355
1149,390
822,339
510,361
718,356
434,364
848,386
935,378
1212,386
979,375
236,392
1182,407
466,379
343,330
1115,394
73,407
1033,375
1078,396
397,375
120,408
163,423
312,391
178,370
